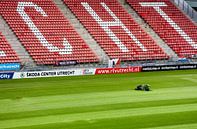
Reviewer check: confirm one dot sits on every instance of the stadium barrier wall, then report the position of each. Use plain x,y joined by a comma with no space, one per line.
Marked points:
68,72
92,71
168,67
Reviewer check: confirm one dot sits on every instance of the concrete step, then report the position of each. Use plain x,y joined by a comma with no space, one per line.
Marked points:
15,43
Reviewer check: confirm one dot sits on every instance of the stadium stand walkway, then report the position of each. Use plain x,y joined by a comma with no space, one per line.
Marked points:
170,23
15,44
115,30
45,32
7,54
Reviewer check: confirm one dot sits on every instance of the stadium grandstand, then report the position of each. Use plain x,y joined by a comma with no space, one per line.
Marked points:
40,34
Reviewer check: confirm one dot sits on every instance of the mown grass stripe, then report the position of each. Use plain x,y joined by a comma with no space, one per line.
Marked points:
97,115
133,122
58,111
181,126
70,85
93,99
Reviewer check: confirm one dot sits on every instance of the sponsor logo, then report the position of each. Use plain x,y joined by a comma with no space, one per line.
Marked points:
117,70
169,67
47,74
66,63
22,75
10,67
87,72
6,75
188,67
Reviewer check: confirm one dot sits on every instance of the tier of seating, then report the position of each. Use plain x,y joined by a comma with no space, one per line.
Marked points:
44,32
179,32
7,54
115,30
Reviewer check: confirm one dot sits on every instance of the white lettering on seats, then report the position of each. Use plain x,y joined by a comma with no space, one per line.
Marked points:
2,53
37,33
105,26
156,6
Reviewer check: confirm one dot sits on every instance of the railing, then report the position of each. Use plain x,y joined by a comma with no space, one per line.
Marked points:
186,8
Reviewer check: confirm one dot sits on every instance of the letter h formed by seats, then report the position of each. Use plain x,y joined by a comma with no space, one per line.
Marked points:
117,22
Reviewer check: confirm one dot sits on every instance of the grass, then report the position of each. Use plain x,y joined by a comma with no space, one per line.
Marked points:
101,102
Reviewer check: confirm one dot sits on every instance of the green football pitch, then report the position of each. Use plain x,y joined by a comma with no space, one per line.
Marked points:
101,102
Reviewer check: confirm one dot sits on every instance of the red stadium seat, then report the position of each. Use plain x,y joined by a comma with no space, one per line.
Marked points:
115,30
